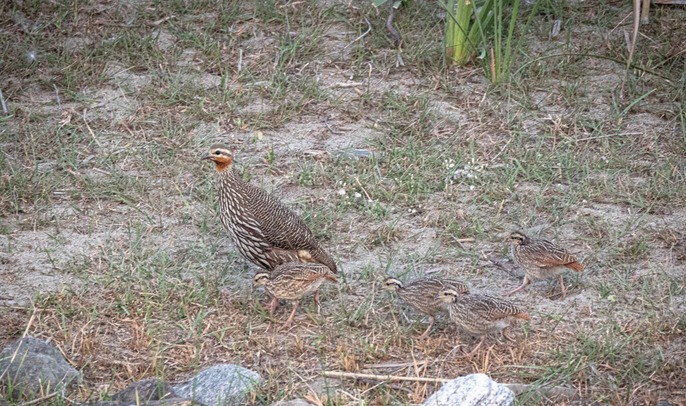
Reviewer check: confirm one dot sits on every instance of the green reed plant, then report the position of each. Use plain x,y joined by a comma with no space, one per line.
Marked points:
462,35
482,26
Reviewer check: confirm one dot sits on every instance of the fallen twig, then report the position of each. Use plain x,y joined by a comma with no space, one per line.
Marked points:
40,400
390,378
607,136
240,60
90,130
4,105
516,388
459,241
57,95
369,29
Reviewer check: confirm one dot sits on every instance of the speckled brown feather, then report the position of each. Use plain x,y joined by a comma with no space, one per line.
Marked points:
265,231
293,280
481,314
422,294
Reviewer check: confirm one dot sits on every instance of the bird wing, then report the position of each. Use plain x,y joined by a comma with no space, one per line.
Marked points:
495,308
253,235
459,286
278,224
545,254
280,228
302,273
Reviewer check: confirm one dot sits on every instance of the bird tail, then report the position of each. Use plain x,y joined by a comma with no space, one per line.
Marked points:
321,271
324,258
522,315
576,266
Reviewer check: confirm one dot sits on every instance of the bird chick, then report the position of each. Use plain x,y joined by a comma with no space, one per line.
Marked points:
422,294
480,314
541,259
292,281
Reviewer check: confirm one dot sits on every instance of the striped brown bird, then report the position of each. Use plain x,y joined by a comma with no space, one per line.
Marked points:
265,232
541,259
292,281
422,294
480,315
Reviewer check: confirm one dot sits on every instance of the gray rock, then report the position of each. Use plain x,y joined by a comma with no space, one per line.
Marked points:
472,390
222,384
32,364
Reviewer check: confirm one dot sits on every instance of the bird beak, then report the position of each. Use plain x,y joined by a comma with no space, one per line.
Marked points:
206,156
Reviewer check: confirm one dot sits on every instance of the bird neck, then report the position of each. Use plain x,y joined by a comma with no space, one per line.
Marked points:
229,174
228,181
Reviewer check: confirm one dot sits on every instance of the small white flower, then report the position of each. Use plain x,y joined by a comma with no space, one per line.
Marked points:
31,56
341,192
358,195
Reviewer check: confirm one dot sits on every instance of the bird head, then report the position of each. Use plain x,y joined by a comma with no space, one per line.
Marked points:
448,295
391,284
517,238
221,155
260,279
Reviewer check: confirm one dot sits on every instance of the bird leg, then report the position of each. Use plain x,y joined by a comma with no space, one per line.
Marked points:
562,287
290,318
316,301
477,346
426,332
525,282
507,337
273,304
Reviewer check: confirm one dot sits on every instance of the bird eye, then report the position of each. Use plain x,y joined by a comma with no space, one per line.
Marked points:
217,152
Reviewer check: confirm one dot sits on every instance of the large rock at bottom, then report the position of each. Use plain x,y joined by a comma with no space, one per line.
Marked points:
222,384
34,367
472,390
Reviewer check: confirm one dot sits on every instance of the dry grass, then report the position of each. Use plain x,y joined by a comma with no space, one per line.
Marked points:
110,239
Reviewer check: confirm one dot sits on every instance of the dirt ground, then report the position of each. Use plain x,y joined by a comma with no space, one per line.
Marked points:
110,246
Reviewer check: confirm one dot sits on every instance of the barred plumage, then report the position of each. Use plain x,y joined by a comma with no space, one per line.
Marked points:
480,314
265,232
541,259
422,294
292,281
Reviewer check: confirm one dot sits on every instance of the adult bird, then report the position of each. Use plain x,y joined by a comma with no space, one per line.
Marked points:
265,232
